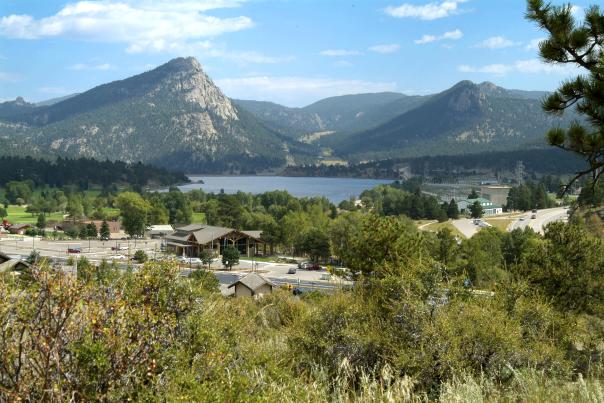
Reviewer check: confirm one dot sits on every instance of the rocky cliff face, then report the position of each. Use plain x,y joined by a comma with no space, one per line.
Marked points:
185,78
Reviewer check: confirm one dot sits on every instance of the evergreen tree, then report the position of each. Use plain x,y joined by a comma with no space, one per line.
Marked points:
3,212
41,223
83,232
91,230
453,210
581,44
476,210
105,232
473,195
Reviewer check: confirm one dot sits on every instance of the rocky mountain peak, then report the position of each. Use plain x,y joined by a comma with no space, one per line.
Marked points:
465,96
185,77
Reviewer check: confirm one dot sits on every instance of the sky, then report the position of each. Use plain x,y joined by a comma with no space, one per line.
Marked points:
292,52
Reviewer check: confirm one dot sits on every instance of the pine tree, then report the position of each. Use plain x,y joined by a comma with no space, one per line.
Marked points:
476,210
581,44
91,230
41,224
83,232
105,232
453,210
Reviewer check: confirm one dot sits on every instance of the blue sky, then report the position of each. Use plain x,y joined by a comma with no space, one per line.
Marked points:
292,52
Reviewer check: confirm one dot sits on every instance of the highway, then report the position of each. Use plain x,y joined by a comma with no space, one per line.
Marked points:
543,217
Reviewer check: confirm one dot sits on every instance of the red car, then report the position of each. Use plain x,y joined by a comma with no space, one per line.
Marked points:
309,266
74,249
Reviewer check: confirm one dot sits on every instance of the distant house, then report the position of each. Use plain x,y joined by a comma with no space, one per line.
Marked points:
19,229
9,264
190,240
252,285
488,206
114,226
159,231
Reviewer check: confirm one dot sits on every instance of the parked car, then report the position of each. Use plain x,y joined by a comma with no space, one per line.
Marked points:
534,211
313,266
534,216
117,257
190,260
522,218
291,270
119,247
74,249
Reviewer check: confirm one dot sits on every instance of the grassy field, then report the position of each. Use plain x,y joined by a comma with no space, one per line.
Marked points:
437,226
199,218
500,223
111,212
18,215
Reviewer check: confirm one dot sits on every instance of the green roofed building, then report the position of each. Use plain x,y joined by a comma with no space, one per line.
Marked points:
488,206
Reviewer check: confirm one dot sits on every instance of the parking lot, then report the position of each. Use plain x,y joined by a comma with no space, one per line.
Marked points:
93,250
123,250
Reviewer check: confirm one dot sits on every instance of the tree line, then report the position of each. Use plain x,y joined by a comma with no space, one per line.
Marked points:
84,173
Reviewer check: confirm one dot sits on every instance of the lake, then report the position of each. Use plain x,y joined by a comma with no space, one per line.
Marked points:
334,189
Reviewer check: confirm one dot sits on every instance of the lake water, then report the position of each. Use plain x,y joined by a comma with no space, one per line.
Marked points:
334,189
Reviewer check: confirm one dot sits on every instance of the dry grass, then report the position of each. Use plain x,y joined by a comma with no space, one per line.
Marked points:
437,226
500,223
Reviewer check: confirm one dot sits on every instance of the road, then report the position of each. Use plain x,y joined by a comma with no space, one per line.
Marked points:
543,217
96,251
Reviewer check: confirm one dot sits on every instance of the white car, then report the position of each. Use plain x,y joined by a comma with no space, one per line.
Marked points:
191,260
117,257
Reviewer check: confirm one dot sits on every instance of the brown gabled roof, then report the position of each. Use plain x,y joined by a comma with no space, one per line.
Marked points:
209,233
252,281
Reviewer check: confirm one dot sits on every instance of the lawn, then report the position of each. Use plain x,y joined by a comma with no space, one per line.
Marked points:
111,212
437,226
18,215
198,218
500,223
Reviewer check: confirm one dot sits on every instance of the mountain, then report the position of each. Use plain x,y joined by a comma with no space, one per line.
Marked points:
53,101
19,106
173,116
465,118
335,114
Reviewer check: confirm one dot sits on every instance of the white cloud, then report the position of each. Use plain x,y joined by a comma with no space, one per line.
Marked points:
9,77
144,26
387,48
339,52
451,35
496,42
534,44
430,11
246,57
531,66
53,90
577,12
497,69
297,90
84,66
